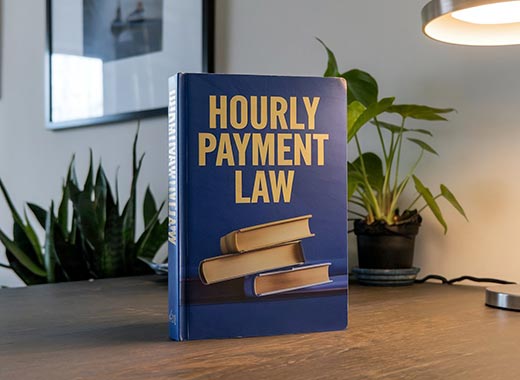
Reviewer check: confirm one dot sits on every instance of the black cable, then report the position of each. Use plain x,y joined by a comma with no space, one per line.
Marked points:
444,280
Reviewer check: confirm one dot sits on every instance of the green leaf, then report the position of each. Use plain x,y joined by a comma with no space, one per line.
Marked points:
374,169
28,277
372,111
39,212
353,170
50,252
388,126
71,172
86,217
89,182
16,217
33,238
149,207
115,260
152,238
21,256
352,187
116,188
423,145
354,179
354,173
22,240
423,131
361,87
28,230
419,112
128,230
354,111
70,255
129,211
154,235
397,129
448,195
430,201
63,210
100,196
332,65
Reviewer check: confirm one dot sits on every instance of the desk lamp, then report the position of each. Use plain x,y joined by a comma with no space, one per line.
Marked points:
473,22
477,23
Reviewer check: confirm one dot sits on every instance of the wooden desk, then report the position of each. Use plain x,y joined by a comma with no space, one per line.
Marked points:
117,329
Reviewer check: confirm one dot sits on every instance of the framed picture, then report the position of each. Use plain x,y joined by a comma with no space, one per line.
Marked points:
109,60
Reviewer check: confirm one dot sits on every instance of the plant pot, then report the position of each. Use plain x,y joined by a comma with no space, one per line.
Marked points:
381,246
385,253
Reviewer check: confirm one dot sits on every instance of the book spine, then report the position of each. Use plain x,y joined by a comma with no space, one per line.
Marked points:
175,262
228,243
249,286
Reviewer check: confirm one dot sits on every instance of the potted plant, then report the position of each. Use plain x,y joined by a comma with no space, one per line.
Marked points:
90,234
386,230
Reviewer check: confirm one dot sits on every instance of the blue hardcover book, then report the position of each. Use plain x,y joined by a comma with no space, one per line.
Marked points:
257,235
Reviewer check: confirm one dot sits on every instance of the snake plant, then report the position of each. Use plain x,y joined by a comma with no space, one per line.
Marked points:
89,235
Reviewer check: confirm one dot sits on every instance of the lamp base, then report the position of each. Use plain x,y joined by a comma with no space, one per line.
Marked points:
504,297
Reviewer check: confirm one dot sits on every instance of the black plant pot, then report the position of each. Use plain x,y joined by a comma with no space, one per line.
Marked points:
381,246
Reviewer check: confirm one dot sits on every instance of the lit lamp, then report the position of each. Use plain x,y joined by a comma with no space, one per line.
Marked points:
473,22
477,23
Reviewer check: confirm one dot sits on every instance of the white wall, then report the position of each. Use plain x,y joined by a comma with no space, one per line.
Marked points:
478,147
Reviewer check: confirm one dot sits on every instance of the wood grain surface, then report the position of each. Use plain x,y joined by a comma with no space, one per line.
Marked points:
117,329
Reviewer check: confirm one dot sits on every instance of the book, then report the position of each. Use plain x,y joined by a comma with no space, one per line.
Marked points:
254,153
227,267
265,235
238,291
299,277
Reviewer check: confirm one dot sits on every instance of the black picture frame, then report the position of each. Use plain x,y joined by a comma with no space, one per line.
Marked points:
207,65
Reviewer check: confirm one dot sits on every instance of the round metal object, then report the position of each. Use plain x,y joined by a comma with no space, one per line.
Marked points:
504,297
439,24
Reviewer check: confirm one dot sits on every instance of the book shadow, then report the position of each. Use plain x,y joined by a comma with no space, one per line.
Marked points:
143,332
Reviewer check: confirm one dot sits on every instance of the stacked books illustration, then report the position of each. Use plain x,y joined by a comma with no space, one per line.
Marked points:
268,256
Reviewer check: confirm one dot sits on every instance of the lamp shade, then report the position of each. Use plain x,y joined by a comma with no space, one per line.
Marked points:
473,22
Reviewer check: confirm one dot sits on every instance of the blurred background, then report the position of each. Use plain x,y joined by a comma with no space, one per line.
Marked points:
478,146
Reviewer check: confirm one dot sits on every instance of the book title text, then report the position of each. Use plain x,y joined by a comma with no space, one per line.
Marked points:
262,131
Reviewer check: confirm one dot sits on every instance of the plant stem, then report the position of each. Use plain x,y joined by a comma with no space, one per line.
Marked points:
414,201
381,138
389,169
375,204
388,173
426,205
405,182
397,163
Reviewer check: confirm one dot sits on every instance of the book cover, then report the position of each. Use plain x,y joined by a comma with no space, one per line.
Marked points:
257,193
